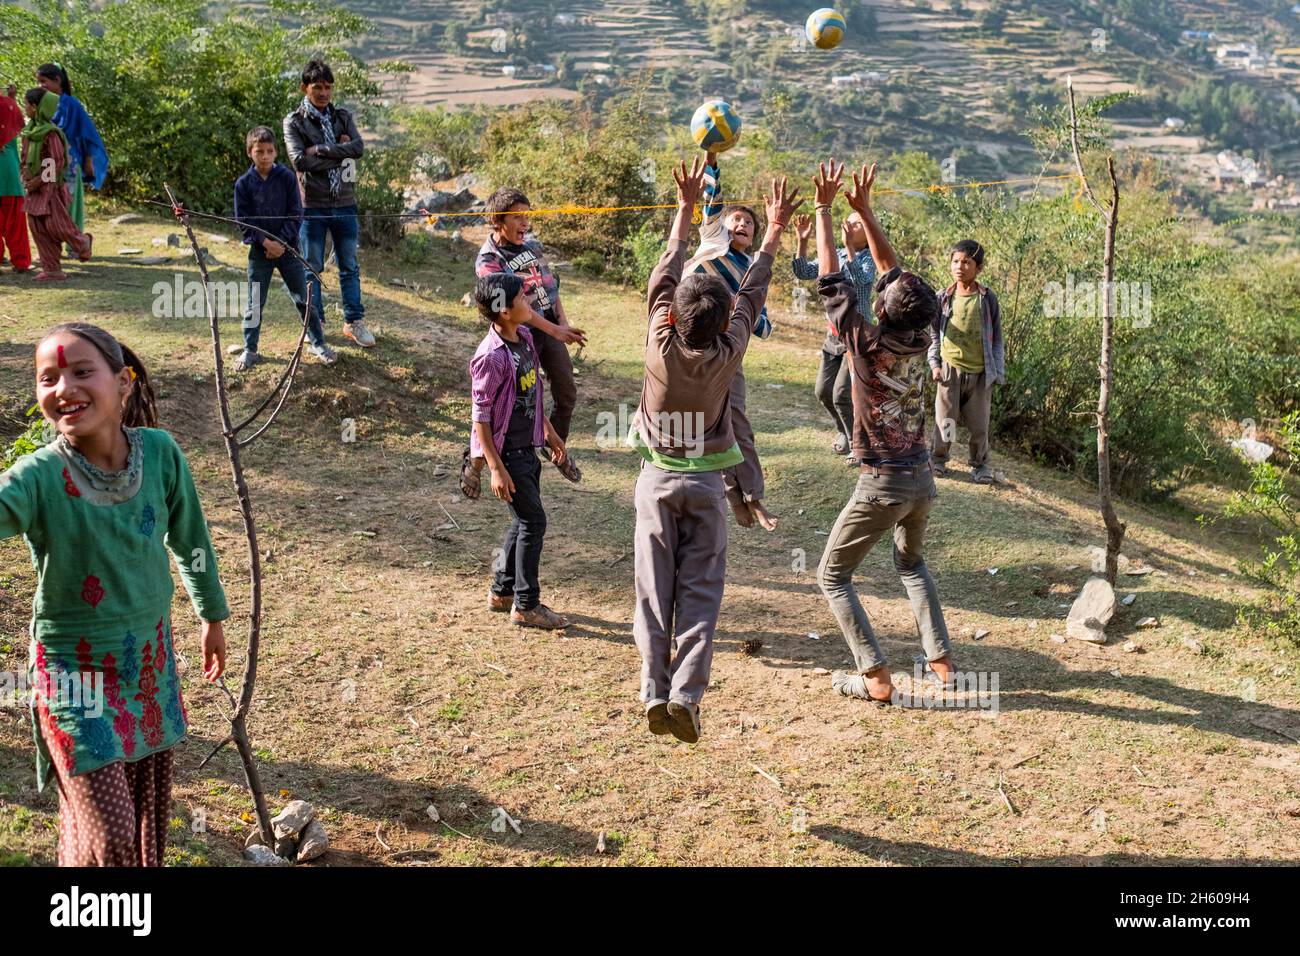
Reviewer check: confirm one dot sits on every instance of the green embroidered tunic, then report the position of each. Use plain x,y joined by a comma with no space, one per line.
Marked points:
101,616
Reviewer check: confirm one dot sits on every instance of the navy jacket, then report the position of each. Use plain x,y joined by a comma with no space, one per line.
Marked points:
273,204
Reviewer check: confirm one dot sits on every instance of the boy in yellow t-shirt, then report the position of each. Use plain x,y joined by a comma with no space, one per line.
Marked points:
966,360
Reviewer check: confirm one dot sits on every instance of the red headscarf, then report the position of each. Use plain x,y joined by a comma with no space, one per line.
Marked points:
11,119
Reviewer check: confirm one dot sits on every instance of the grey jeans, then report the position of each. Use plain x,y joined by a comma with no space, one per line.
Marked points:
962,398
744,482
886,502
680,568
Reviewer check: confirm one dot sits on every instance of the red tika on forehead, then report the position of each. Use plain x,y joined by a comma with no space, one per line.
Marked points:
63,363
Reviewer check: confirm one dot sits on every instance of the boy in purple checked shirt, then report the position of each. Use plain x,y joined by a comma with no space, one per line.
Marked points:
509,427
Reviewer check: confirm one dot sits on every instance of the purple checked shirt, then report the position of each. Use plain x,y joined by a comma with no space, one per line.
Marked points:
492,382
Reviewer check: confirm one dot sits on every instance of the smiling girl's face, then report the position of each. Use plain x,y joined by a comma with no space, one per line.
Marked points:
77,392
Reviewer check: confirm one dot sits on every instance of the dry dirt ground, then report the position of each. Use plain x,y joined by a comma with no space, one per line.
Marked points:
386,686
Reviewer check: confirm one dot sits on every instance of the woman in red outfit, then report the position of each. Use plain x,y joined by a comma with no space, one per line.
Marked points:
13,220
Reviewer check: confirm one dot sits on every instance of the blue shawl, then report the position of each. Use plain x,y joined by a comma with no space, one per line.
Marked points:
83,137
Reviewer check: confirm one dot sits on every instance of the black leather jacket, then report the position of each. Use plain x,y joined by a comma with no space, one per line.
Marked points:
300,132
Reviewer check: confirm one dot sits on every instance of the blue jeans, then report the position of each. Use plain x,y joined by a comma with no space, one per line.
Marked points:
342,225
260,270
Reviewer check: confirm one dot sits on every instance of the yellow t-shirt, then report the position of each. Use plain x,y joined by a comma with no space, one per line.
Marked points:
963,339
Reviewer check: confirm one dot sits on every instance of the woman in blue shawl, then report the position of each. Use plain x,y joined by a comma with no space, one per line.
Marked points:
86,151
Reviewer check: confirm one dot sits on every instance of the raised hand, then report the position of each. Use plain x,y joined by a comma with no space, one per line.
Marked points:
803,227
690,182
827,182
859,196
781,203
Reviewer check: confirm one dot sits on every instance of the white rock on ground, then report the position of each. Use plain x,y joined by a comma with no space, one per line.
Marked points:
264,856
292,819
315,841
1091,611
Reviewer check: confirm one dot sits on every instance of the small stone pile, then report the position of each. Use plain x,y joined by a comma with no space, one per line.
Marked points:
299,837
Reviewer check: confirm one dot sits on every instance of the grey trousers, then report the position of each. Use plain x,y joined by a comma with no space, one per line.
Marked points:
680,568
961,398
834,390
881,503
744,481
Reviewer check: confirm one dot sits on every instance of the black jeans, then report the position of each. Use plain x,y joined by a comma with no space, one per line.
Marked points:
558,366
834,389
518,565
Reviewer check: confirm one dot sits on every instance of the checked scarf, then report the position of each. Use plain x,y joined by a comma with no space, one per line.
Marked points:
327,127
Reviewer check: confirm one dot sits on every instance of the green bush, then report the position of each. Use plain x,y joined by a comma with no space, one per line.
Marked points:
33,437
560,157
417,248
1271,497
174,90
641,252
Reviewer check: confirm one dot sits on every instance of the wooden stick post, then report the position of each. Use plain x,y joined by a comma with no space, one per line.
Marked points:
1109,213
239,716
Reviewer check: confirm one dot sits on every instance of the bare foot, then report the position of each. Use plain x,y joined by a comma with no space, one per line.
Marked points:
743,516
879,684
765,517
943,669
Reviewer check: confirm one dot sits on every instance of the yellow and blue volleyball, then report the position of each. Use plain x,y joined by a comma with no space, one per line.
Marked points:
715,127
825,28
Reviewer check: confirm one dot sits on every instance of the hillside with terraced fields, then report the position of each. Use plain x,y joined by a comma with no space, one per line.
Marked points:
958,80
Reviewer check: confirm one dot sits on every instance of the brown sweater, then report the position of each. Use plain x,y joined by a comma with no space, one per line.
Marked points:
684,399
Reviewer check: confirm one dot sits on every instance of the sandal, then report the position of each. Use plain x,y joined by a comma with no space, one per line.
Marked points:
569,469
470,484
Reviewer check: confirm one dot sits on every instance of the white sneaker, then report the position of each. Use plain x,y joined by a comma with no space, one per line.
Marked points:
358,333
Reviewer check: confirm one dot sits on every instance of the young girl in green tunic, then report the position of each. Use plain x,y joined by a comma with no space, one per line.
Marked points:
104,508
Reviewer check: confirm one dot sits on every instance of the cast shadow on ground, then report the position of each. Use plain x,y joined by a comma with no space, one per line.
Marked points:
879,850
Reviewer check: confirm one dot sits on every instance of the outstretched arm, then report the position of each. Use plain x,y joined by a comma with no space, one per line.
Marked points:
826,184
859,197
834,286
781,204
668,273
690,187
